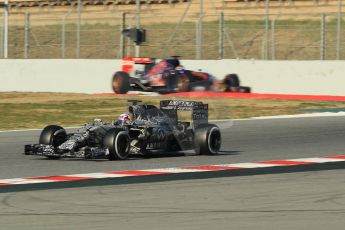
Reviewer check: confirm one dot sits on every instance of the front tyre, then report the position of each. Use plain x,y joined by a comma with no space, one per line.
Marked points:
120,82
52,135
231,81
207,139
118,143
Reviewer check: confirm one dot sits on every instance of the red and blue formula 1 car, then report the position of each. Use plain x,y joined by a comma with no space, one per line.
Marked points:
168,76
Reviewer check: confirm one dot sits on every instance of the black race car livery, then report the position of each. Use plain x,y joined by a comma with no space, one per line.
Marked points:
150,129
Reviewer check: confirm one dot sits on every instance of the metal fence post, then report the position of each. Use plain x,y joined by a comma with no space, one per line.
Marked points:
201,15
338,53
129,46
27,35
323,37
138,24
221,36
197,39
5,46
273,39
2,38
267,6
78,30
63,36
122,37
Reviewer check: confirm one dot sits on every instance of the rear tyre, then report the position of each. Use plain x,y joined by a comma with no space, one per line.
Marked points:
118,143
52,135
207,139
231,81
120,82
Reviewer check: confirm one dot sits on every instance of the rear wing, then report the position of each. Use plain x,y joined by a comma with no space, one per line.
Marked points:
199,110
127,63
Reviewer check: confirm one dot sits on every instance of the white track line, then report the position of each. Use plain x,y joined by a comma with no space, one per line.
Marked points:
308,115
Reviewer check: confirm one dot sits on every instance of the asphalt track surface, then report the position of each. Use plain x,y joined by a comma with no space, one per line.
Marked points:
303,200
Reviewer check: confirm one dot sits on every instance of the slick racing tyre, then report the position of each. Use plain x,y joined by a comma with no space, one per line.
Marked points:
230,81
207,139
52,135
118,143
120,82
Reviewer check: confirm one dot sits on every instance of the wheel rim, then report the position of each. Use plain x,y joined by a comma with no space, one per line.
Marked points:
117,83
214,140
122,145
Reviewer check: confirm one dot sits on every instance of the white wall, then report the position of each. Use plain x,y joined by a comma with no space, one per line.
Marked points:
285,77
49,75
94,76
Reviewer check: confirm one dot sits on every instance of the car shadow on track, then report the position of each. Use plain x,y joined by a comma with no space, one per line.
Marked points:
154,155
227,152
184,154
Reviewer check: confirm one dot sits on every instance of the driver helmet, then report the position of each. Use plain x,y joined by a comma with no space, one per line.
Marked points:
124,119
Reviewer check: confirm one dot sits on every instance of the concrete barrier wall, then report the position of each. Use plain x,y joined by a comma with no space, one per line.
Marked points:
283,77
94,76
49,75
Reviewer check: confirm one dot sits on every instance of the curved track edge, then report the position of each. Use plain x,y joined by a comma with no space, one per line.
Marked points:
168,174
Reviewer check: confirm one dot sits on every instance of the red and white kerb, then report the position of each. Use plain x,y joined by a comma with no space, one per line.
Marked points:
176,170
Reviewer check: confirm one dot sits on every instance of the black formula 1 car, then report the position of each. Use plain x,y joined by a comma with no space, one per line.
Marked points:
168,76
150,129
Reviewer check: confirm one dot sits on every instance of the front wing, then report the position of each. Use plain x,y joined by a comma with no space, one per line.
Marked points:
51,152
